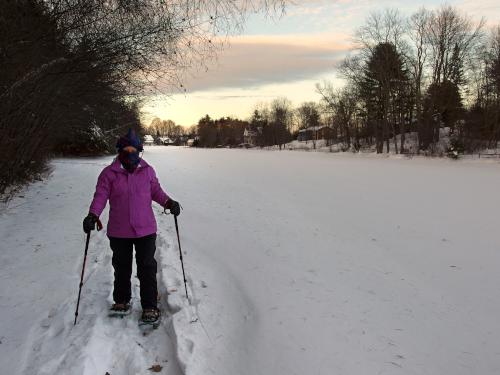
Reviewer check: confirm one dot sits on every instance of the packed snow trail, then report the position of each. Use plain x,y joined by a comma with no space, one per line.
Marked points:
297,263
100,344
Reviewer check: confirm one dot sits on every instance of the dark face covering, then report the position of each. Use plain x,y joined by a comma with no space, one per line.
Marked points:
129,160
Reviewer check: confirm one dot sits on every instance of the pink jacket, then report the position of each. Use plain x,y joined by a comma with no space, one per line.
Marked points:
130,196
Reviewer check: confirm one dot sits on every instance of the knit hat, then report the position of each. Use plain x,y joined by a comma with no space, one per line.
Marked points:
131,139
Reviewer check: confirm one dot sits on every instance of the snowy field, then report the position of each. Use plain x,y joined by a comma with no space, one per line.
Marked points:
297,263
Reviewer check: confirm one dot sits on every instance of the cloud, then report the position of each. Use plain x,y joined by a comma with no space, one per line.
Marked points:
252,61
231,97
479,9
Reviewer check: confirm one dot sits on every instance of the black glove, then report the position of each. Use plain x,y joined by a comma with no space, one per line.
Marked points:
89,222
174,207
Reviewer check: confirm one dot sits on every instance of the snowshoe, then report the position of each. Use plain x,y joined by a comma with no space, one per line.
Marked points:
119,310
150,318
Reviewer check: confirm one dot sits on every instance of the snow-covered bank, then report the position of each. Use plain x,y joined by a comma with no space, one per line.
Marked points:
297,263
443,148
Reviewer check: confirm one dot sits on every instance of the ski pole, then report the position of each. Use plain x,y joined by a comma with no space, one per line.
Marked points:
180,253
81,280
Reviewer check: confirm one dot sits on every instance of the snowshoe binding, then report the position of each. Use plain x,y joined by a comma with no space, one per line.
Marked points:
150,318
119,310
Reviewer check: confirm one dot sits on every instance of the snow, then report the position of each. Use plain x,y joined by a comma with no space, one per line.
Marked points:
297,263
411,145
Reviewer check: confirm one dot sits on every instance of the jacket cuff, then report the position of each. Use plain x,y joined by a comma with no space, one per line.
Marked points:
93,214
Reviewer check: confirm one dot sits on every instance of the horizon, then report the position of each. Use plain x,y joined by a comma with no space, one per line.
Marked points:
299,52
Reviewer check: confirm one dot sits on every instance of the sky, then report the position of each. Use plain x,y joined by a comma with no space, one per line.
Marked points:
285,56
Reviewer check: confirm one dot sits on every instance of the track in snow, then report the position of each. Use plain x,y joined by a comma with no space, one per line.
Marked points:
99,344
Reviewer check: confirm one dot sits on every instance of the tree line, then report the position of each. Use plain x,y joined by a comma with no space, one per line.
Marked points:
73,73
270,123
419,74
167,128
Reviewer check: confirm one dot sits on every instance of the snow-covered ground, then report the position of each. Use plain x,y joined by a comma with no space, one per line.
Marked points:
297,263
441,149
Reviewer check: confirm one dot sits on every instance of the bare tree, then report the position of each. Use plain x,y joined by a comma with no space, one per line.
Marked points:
280,121
151,43
387,26
452,38
308,115
342,104
418,25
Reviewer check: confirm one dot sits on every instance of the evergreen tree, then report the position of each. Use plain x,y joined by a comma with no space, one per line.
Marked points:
384,83
442,107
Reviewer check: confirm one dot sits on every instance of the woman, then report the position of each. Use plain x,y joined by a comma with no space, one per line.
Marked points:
130,185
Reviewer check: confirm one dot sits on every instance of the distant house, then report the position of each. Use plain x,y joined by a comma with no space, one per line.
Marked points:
192,142
304,135
166,141
250,136
183,139
148,140
315,133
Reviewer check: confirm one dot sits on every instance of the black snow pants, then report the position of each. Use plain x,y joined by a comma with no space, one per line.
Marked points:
146,269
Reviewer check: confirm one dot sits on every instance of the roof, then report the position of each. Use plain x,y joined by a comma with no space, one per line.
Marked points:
313,128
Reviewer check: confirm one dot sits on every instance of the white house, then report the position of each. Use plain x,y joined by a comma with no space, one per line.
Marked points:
250,136
166,141
148,140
